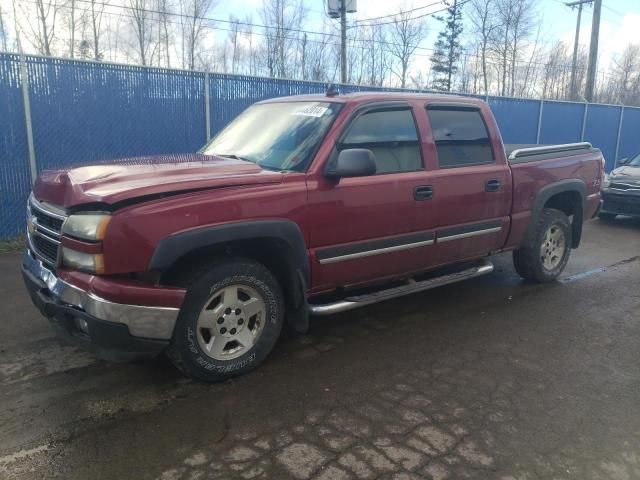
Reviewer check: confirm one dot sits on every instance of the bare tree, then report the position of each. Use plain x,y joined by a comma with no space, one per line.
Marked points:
95,13
113,34
283,19
377,60
405,34
3,32
482,14
194,14
74,18
316,59
142,25
43,33
46,9
503,41
234,37
355,66
517,19
251,51
553,85
626,75
523,23
470,70
418,81
164,33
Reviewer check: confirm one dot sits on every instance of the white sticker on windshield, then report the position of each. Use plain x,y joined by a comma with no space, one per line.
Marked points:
311,111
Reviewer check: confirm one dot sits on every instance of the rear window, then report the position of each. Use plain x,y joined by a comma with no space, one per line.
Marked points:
460,136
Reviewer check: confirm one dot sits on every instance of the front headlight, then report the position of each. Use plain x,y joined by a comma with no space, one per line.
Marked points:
85,262
87,226
605,181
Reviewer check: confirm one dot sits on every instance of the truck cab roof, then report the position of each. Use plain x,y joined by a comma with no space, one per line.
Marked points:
366,97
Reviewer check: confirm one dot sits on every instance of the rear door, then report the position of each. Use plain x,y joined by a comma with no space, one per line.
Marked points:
368,228
471,183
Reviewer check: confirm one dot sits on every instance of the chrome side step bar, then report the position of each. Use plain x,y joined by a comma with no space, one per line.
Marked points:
482,268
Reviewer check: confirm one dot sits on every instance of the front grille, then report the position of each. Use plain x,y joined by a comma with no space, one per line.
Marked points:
629,205
46,249
45,220
624,186
45,231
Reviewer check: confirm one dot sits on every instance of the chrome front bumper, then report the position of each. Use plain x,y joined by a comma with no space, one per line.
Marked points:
142,321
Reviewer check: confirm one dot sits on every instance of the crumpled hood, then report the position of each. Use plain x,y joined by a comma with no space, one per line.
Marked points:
626,174
128,178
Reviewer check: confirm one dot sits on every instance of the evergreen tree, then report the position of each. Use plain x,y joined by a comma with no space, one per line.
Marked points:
447,49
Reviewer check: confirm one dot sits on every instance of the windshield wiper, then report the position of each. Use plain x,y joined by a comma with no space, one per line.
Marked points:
235,157
265,167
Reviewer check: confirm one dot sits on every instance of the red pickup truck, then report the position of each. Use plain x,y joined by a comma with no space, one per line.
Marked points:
301,205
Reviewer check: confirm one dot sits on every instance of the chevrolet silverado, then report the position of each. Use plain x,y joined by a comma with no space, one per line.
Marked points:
305,205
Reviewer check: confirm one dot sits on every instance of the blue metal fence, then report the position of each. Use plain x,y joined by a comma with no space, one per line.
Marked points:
14,166
601,129
86,111
517,119
629,133
82,112
561,122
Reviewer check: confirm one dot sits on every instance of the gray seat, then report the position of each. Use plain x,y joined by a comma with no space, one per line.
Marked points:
402,158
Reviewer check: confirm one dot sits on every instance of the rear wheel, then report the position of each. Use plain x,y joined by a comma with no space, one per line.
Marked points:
548,250
607,216
230,320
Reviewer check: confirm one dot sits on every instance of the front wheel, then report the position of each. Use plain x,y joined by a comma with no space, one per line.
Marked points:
548,250
230,320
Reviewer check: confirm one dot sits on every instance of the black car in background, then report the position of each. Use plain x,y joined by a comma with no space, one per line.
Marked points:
621,190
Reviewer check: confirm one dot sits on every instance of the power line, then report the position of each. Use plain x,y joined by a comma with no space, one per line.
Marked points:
416,17
395,14
614,10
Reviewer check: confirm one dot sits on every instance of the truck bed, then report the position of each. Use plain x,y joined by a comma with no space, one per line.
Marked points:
522,152
534,168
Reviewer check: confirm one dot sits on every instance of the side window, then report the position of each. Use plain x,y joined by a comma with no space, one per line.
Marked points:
460,136
392,137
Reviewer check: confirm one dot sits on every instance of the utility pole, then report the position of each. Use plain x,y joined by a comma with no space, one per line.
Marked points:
339,9
343,41
574,66
593,50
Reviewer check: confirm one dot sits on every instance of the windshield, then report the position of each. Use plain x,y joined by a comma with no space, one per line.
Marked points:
277,136
635,161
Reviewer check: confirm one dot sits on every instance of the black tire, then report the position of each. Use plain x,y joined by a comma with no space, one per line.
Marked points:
185,351
607,216
528,259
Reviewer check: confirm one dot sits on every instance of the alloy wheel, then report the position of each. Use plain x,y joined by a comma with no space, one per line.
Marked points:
231,322
553,247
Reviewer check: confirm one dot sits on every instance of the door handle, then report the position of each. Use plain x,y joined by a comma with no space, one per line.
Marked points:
424,192
492,186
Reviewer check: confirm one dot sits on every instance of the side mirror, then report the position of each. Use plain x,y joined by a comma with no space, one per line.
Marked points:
353,162
623,161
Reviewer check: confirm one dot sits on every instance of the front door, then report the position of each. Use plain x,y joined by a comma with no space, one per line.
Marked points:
372,227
